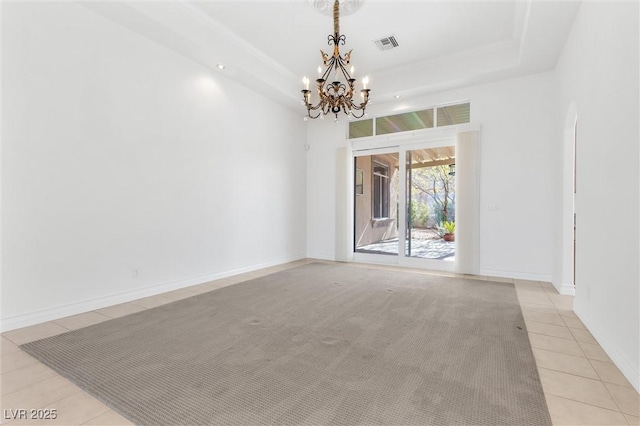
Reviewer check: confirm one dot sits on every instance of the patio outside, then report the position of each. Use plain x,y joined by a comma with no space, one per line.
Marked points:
425,244
429,185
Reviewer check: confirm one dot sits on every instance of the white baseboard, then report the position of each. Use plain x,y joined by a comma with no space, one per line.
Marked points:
321,257
626,367
515,275
565,289
62,311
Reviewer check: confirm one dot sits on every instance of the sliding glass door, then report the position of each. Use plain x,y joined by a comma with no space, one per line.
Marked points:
430,203
404,206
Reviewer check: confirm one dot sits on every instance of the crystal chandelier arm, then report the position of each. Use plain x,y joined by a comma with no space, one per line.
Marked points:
361,114
310,107
365,100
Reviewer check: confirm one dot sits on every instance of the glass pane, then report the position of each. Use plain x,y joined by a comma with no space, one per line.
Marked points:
415,120
376,209
409,210
377,197
380,170
360,129
431,202
454,114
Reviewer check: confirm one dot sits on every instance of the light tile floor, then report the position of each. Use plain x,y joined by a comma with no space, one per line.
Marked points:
581,384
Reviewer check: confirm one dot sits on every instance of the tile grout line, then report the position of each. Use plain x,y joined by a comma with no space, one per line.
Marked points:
582,402
585,403
555,351
547,323
573,337
562,353
555,308
599,377
615,401
34,383
100,415
90,396
39,338
598,374
626,385
77,389
548,335
570,374
107,318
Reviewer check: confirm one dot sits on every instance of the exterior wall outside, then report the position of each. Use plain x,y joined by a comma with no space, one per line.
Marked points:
367,230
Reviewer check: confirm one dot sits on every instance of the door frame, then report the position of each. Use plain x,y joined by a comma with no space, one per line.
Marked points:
435,140
565,280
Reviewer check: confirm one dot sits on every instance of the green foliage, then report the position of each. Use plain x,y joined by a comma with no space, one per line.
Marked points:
439,186
419,213
449,227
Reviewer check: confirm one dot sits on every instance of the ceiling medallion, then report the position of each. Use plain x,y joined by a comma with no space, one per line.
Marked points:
347,7
337,95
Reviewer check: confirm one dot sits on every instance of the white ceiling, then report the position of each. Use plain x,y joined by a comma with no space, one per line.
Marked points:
270,45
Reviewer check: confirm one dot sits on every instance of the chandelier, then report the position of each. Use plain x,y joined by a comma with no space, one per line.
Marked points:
335,96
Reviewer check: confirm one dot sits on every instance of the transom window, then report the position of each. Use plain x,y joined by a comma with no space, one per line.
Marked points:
429,118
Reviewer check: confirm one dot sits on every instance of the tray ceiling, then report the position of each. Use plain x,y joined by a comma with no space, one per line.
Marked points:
270,45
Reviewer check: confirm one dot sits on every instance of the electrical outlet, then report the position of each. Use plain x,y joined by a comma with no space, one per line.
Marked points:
134,273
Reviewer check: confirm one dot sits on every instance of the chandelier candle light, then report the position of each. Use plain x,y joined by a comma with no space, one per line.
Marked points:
335,96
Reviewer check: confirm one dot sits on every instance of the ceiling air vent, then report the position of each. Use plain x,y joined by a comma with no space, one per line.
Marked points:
387,43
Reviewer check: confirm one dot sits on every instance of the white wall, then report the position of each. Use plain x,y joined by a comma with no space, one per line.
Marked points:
119,154
598,71
516,173
323,138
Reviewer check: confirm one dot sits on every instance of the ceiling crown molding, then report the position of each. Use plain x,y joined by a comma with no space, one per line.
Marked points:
230,34
185,29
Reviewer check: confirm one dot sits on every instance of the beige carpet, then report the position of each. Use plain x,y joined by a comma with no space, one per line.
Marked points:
318,345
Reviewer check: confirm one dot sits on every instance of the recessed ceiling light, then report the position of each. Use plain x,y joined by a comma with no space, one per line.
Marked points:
220,66
397,96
